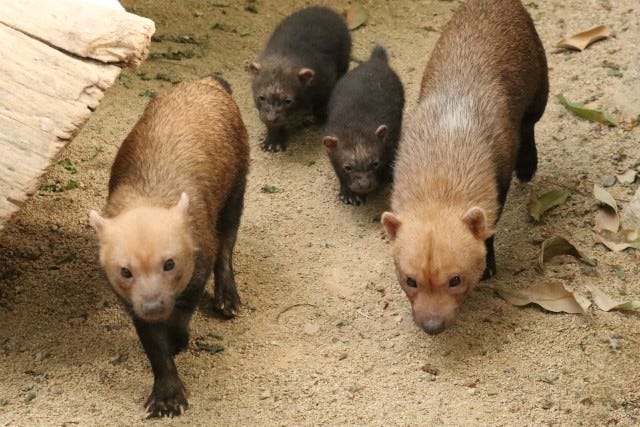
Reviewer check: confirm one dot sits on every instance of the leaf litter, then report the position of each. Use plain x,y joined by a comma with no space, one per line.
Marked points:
558,245
581,40
537,207
356,16
608,229
606,303
551,296
591,115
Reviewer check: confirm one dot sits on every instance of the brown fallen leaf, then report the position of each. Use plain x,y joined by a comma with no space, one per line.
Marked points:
606,303
551,296
607,217
605,197
547,201
580,41
558,245
618,241
355,16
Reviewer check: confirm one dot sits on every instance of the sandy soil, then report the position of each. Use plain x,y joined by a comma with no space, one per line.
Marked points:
326,336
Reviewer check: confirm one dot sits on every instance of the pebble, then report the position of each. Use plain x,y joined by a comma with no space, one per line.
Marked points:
311,329
608,180
29,396
429,369
265,395
3,401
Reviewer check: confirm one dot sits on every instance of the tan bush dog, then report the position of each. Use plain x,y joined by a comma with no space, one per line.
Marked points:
172,215
483,89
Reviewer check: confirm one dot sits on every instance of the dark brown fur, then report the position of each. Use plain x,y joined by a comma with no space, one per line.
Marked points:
483,89
189,140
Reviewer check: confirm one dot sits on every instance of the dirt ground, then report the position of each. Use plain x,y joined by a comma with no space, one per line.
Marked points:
326,336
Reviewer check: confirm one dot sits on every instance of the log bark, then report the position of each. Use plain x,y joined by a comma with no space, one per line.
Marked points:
100,30
47,87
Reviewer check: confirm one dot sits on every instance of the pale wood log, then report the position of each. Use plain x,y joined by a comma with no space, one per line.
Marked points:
97,29
45,98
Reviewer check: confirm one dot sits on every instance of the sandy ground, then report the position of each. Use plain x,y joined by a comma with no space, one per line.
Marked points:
326,336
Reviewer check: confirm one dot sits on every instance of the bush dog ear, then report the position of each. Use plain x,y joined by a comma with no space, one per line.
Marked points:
183,204
391,224
330,142
306,75
254,67
381,132
97,222
476,221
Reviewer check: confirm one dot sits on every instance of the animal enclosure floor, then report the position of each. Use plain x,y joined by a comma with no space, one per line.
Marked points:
325,336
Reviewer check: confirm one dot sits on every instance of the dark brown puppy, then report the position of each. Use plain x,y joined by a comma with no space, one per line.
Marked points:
482,92
304,57
363,128
175,200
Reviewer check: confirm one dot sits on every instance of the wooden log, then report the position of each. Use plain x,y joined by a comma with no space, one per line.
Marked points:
100,30
45,98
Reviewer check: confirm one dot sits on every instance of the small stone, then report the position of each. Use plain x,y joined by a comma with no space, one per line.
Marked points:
431,377
355,388
342,356
3,401
398,319
608,180
29,396
265,395
587,401
40,356
429,369
197,13
472,391
118,359
546,403
311,329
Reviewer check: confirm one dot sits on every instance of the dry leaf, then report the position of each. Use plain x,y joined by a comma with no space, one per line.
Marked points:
627,177
551,296
547,201
355,16
606,303
581,111
607,217
605,197
618,241
581,40
558,245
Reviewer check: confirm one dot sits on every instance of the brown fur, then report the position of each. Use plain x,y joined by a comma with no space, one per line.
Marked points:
172,215
482,91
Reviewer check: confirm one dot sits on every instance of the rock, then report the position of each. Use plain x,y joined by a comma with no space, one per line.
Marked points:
630,216
429,369
311,329
608,180
29,396
627,177
265,395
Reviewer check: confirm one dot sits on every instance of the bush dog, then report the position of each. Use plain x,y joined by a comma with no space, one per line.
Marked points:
171,218
304,57
363,128
483,89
